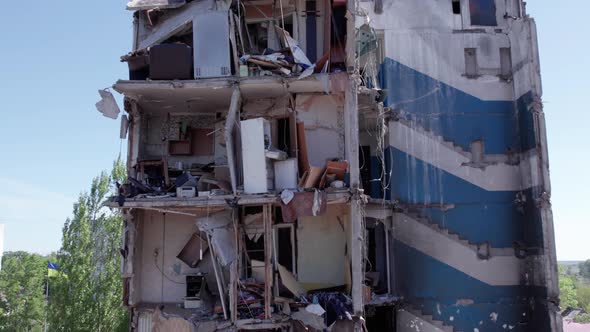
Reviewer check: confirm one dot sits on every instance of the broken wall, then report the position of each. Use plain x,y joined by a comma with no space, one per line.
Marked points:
321,249
162,275
160,131
324,126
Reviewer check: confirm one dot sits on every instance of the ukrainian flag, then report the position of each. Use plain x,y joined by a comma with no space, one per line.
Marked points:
52,269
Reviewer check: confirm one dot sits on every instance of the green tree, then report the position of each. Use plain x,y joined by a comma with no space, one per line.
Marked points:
583,296
585,269
88,294
567,289
22,295
582,318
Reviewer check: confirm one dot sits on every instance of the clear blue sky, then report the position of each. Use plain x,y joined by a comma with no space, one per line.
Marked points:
55,55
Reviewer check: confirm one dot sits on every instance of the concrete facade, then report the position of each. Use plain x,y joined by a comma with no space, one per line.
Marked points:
440,219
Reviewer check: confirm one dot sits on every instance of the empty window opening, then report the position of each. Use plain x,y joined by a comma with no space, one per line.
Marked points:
456,7
365,169
376,270
338,37
285,247
505,63
483,12
253,233
471,70
381,319
311,29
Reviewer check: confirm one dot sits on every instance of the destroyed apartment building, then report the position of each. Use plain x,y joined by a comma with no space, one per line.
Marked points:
332,165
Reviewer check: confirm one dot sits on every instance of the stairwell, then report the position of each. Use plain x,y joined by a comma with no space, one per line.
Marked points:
492,172
493,266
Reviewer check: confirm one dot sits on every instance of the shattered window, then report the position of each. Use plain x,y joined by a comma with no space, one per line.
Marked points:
483,12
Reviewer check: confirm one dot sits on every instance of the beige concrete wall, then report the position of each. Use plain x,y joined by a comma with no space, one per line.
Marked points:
321,243
167,234
324,126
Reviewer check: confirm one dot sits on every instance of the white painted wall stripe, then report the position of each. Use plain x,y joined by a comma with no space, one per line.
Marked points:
496,271
497,177
408,322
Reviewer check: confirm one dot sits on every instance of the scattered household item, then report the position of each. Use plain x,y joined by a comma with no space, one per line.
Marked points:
316,309
275,154
258,171
243,71
171,62
311,178
193,251
286,174
337,184
161,164
335,170
185,192
139,65
298,54
287,196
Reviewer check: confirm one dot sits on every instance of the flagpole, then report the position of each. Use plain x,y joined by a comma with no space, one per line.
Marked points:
46,303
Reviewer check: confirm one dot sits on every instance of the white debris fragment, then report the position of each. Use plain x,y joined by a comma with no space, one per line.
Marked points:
287,196
315,309
107,104
494,316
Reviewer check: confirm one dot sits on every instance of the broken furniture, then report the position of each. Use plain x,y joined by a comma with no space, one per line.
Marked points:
196,289
139,65
162,165
193,251
171,62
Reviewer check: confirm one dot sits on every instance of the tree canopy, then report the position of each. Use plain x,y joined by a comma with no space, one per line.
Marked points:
22,291
87,294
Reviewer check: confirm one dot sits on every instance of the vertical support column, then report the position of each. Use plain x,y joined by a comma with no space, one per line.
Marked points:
230,123
352,155
549,272
387,255
268,275
129,239
218,277
134,138
234,271
549,265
